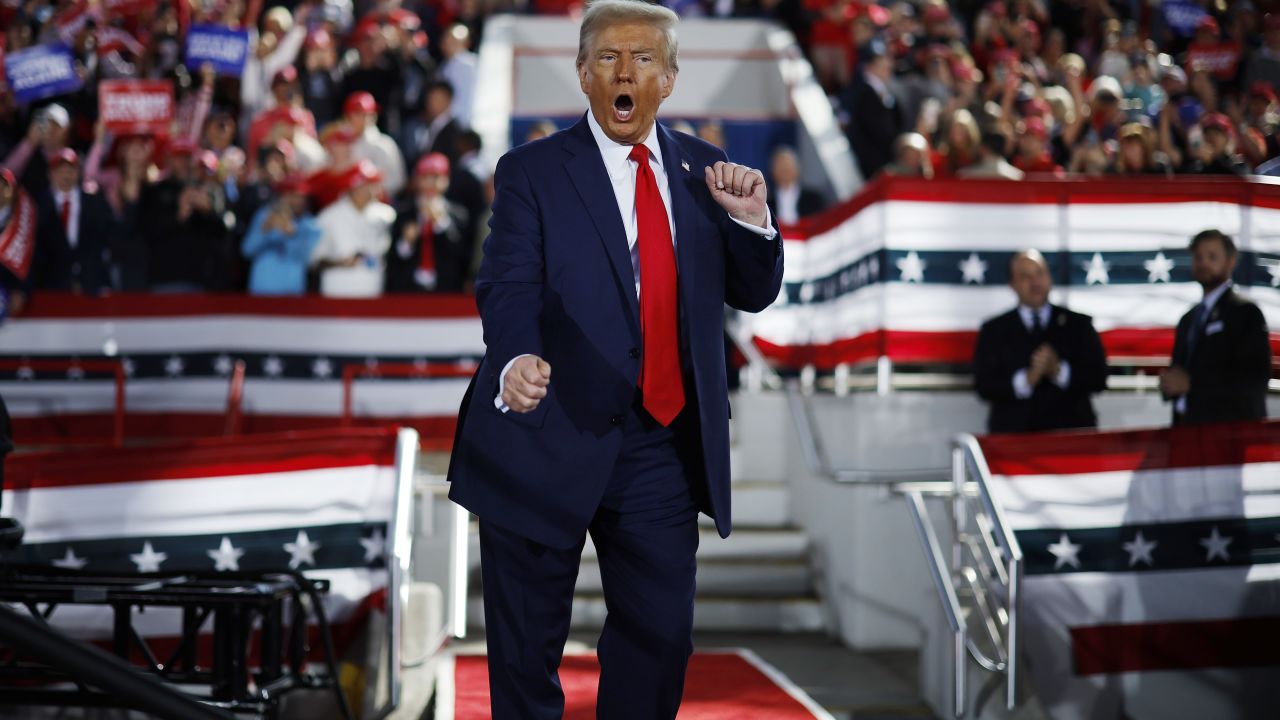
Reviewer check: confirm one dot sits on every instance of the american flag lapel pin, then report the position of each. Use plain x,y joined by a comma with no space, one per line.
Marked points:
684,165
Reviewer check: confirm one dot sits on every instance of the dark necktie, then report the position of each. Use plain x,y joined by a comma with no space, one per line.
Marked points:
661,382
66,216
1196,330
1037,329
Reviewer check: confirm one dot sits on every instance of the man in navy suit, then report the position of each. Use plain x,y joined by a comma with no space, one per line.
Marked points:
74,230
613,248
1222,350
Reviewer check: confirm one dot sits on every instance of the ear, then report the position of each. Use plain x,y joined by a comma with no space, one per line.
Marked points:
582,78
668,83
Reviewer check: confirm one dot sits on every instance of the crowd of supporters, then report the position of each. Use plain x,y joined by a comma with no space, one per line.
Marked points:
341,161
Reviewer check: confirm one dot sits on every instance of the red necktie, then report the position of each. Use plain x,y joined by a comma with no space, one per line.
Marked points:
427,246
66,216
661,382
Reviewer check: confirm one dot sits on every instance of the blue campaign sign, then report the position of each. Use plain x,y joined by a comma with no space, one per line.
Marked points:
223,48
41,71
1182,16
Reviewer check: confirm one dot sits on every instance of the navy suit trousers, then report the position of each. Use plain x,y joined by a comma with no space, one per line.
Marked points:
646,534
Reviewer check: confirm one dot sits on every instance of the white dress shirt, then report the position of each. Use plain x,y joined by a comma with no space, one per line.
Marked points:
622,175
1021,386
1206,306
788,201
346,232
73,220
381,150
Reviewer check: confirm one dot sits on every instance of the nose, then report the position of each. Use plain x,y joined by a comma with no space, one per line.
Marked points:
624,68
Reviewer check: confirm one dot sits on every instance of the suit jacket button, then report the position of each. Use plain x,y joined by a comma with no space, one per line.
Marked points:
616,420
634,353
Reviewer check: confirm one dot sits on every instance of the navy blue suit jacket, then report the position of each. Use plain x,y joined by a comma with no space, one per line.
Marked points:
556,281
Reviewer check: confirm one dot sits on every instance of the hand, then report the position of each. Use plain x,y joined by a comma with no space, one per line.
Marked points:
1044,364
526,383
207,75
17,303
740,190
409,233
1175,382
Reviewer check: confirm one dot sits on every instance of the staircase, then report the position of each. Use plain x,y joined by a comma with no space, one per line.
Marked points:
757,580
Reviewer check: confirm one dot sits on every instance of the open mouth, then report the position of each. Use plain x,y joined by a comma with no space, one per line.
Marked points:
623,107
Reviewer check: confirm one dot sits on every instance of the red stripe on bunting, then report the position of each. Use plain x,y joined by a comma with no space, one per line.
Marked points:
96,428
954,347
52,305
1188,645
214,457
1073,191
1074,453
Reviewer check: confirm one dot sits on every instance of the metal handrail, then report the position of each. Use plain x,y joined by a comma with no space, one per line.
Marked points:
942,582
970,466
815,455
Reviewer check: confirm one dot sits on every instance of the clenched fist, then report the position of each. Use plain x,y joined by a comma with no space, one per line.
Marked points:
525,384
740,190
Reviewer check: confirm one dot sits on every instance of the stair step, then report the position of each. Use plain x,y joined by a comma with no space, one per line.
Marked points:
793,614
742,545
733,579
757,505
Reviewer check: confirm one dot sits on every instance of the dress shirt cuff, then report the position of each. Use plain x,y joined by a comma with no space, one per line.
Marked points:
767,232
1021,386
502,384
1064,374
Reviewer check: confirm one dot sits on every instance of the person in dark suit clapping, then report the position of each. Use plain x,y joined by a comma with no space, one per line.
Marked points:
1222,352
73,232
1038,364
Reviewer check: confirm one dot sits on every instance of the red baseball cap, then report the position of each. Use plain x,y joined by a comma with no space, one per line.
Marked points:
181,146
1262,89
936,13
406,19
65,155
432,164
365,173
293,183
338,132
1035,127
319,38
7,176
360,102
1207,23
286,74
1217,121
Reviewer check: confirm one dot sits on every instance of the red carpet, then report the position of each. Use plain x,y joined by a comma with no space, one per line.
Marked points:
721,685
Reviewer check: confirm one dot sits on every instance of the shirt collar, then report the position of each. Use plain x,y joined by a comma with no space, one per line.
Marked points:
1212,298
1027,314
616,155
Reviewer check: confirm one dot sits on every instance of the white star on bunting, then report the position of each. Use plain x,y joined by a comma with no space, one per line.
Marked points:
69,561
322,367
75,373
374,546
273,366
302,550
1273,267
129,366
223,365
25,373
148,561
226,557
1098,271
806,292
1066,552
1158,268
1140,550
974,269
1216,546
174,366
912,268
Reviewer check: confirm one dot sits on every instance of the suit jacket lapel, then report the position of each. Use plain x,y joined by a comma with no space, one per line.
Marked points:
674,161
587,172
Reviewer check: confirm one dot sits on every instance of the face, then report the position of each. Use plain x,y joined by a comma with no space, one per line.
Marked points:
1030,281
64,176
438,102
364,194
1031,146
359,121
785,170
1211,265
430,186
1134,154
625,79
1218,141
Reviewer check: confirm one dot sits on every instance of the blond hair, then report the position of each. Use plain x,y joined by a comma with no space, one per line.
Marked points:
603,13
